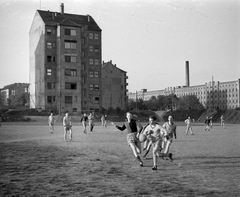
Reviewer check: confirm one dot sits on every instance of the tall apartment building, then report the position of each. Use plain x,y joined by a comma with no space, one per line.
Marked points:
114,86
65,62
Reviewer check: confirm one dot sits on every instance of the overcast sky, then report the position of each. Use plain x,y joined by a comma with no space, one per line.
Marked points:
149,39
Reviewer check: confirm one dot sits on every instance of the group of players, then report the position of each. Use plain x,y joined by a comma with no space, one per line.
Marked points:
159,137
153,134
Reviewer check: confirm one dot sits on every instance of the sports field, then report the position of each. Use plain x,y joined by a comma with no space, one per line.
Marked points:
36,163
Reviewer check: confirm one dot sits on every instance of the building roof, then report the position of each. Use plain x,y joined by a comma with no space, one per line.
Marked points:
56,18
105,64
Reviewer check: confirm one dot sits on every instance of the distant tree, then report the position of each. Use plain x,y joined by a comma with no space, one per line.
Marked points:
18,101
2,100
189,102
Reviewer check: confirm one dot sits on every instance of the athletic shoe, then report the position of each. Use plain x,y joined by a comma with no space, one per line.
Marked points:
141,164
170,156
154,168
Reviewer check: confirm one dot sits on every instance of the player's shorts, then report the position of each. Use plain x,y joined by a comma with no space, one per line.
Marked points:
68,127
131,138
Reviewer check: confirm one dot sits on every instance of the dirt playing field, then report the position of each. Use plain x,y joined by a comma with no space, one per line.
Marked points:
34,162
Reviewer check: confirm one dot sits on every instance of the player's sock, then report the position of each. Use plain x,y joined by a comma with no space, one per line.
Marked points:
147,151
139,159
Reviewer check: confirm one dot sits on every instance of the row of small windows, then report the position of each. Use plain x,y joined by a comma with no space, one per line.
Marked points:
72,86
72,32
71,99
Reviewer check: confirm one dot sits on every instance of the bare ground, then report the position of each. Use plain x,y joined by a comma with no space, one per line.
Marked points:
34,162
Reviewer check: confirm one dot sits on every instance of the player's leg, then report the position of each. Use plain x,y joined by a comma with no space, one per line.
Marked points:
134,149
65,133
155,154
149,145
138,146
191,131
70,134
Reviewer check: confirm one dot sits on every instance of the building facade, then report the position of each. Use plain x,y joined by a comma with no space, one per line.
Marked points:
14,90
65,62
212,95
114,86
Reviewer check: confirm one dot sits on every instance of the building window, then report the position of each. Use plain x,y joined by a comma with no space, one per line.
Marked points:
96,36
70,58
70,44
96,61
50,58
96,49
50,85
49,31
49,45
13,92
91,36
70,72
49,72
83,92
83,80
96,87
75,98
91,87
96,74
51,99
70,32
68,99
96,99
91,74
74,109
90,48
83,67
91,61
70,86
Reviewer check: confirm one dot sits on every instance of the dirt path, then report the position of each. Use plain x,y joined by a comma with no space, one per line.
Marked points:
36,163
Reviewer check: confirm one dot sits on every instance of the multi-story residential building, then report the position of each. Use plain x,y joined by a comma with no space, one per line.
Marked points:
14,90
114,86
65,62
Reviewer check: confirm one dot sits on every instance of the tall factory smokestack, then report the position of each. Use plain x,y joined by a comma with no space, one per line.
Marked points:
187,74
62,8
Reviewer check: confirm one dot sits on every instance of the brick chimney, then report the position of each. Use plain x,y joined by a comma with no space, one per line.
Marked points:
62,8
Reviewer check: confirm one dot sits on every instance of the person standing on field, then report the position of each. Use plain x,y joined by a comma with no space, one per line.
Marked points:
134,128
189,126
67,126
91,121
104,120
222,122
51,122
84,120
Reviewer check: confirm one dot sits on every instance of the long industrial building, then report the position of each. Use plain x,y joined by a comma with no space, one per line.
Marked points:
214,94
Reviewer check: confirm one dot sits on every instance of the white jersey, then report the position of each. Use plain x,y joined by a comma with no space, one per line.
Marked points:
156,132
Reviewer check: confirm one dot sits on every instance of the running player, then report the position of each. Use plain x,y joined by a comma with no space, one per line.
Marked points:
67,125
51,122
207,123
170,127
134,128
189,126
84,120
156,134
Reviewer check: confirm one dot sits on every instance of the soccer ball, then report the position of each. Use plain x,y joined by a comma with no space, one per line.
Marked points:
142,137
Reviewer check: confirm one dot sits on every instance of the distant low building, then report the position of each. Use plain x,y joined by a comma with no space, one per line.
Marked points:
114,86
13,90
212,95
